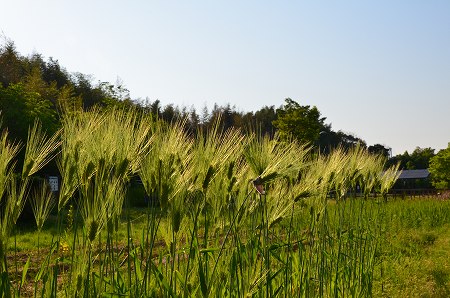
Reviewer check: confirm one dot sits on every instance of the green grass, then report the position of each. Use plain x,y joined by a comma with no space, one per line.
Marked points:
26,236
417,250
413,257
418,265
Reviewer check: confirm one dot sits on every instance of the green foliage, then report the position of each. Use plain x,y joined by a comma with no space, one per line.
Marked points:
31,88
12,67
263,120
330,140
302,123
419,159
440,168
20,108
380,150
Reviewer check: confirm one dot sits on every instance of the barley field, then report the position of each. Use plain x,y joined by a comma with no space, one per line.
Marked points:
224,214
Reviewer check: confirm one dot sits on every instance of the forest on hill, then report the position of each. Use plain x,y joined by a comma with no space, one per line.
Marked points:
32,87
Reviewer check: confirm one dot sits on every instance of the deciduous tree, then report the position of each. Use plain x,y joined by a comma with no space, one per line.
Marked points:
302,123
440,168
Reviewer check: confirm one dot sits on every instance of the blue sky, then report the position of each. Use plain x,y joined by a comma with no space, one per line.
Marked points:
377,69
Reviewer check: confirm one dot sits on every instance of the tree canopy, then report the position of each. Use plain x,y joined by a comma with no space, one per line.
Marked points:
440,168
418,159
302,123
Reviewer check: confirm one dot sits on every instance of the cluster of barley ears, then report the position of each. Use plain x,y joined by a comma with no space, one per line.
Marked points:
229,214
15,188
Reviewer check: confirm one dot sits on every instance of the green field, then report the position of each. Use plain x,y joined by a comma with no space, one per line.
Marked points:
412,258
227,214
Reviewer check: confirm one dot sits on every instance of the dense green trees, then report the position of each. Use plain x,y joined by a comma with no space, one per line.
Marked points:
302,123
418,159
11,66
440,168
380,149
31,87
20,108
329,140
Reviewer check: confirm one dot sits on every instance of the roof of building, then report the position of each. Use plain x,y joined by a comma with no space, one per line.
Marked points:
414,174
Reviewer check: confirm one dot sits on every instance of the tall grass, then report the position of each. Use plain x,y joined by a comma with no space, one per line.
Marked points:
228,214
14,189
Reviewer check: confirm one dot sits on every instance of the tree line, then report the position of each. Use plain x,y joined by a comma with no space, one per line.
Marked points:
34,88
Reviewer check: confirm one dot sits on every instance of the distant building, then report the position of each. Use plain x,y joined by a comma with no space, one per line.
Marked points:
413,179
414,174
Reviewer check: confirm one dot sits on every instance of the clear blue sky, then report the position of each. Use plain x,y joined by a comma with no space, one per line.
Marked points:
377,69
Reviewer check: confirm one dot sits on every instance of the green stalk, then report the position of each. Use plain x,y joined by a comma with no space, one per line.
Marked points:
172,261
128,241
15,251
54,286
288,271
107,261
265,226
191,244
75,239
205,238
152,242
87,277
145,244
225,240
239,255
340,216
5,285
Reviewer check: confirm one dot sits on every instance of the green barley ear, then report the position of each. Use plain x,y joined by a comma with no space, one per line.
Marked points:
164,198
116,224
195,197
232,183
208,177
176,221
230,170
2,251
302,195
69,219
77,151
63,163
92,232
275,221
122,169
79,282
42,203
27,168
72,171
40,149
8,153
101,163
269,177
88,171
110,226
